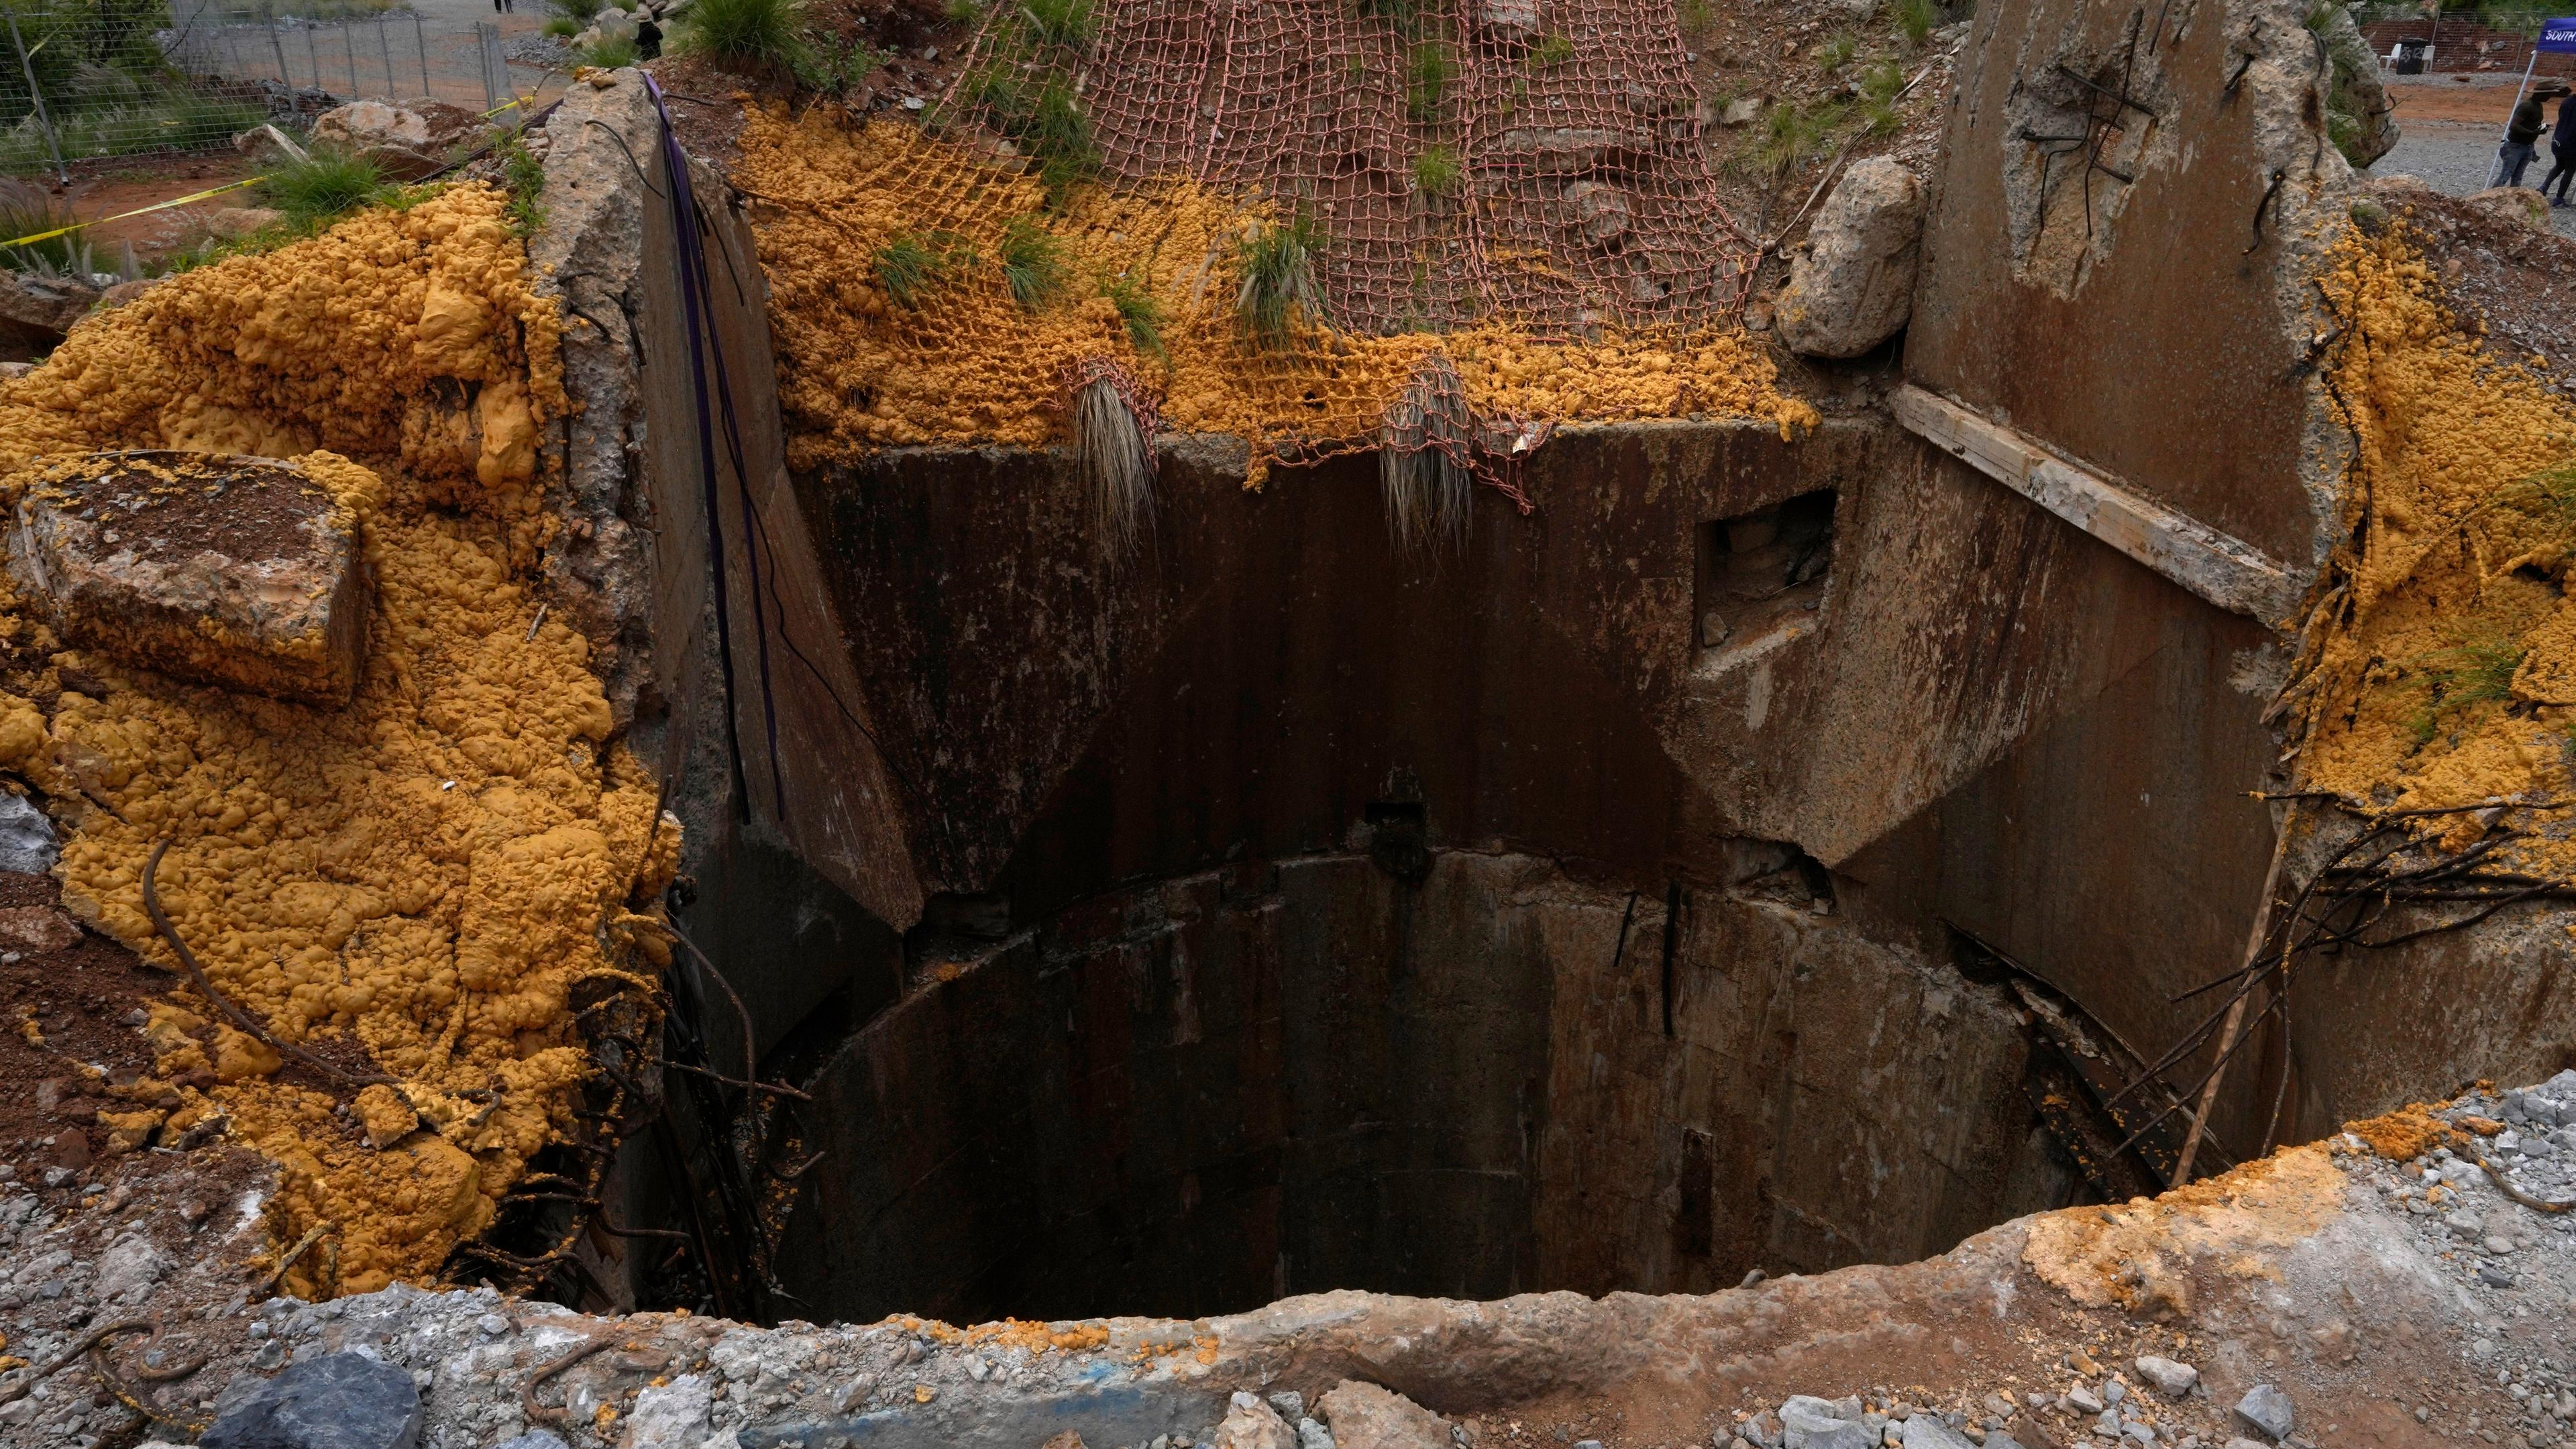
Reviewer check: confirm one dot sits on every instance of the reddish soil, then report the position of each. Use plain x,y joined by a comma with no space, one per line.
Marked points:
106,188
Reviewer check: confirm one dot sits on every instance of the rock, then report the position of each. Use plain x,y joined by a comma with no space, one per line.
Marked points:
2494,1277
2466,1225
124,292
1743,112
2266,1410
1252,1424
38,928
27,843
2514,203
535,1439
1511,21
2173,1380
130,1265
1601,209
2084,1400
334,1401
1926,1431
1364,1416
1312,1435
1290,1404
267,145
1853,286
235,222
37,309
406,142
225,570
1812,1423
673,1416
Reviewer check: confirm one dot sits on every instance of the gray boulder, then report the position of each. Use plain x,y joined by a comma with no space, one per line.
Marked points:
1807,1422
26,837
336,1401
1852,286
2266,1410
1364,1416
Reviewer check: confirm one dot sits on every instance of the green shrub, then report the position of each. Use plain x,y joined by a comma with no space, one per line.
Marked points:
830,67
1428,71
1046,121
563,27
1436,172
1061,22
1794,134
1837,51
1277,290
1141,313
27,210
1915,18
1033,263
579,12
964,12
2478,669
323,186
1880,87
1551,50
1697,17
911,264
746,34
613,53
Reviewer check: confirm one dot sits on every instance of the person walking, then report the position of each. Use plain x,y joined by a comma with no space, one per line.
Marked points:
2521,136
2562,150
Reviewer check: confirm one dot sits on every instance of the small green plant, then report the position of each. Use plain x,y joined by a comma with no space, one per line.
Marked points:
615,52
29,210
828,67
562,27
525,176
1404,15
321,187
1141,313
1697,17
1428,70
579,12
1837,51
1551,50
1061,22
2477,669
1033,263
744,34
1915,18
1277,292
963,12
1793,134
1046,120
1436,172
1880,87
909,265
2548,497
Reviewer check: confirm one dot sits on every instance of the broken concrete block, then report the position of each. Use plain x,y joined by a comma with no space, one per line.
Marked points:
1364,1416
233,571
1853,288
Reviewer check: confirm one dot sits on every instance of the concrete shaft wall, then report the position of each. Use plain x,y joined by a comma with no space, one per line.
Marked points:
1201,1095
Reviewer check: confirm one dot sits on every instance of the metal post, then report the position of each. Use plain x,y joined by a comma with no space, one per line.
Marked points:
36,94
393,88
313,54
421,41
483,58
268,17
2506,138
349,48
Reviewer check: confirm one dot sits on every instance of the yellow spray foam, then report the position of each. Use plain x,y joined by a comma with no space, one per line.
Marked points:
963,361
427,872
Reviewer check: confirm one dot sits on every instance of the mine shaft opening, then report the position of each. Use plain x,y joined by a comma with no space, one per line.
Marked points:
1407,1067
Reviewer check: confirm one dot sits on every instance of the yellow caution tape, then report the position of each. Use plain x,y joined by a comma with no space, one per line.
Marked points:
138,211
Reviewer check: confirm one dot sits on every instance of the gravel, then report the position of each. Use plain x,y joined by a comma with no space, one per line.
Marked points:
2456,159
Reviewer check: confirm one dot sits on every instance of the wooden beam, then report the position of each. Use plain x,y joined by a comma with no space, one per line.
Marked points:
2218,567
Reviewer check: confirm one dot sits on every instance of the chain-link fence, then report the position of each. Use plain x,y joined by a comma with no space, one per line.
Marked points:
380,55
89,78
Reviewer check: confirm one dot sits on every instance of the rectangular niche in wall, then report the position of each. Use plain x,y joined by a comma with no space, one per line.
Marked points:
1763,578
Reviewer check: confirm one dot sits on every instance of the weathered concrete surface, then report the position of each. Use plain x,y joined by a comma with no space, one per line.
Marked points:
1851,284
2157,328
1197,1095
640,563
237,572
2331,1284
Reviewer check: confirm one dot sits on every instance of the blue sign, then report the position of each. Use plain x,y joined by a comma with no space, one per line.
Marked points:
2559,35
